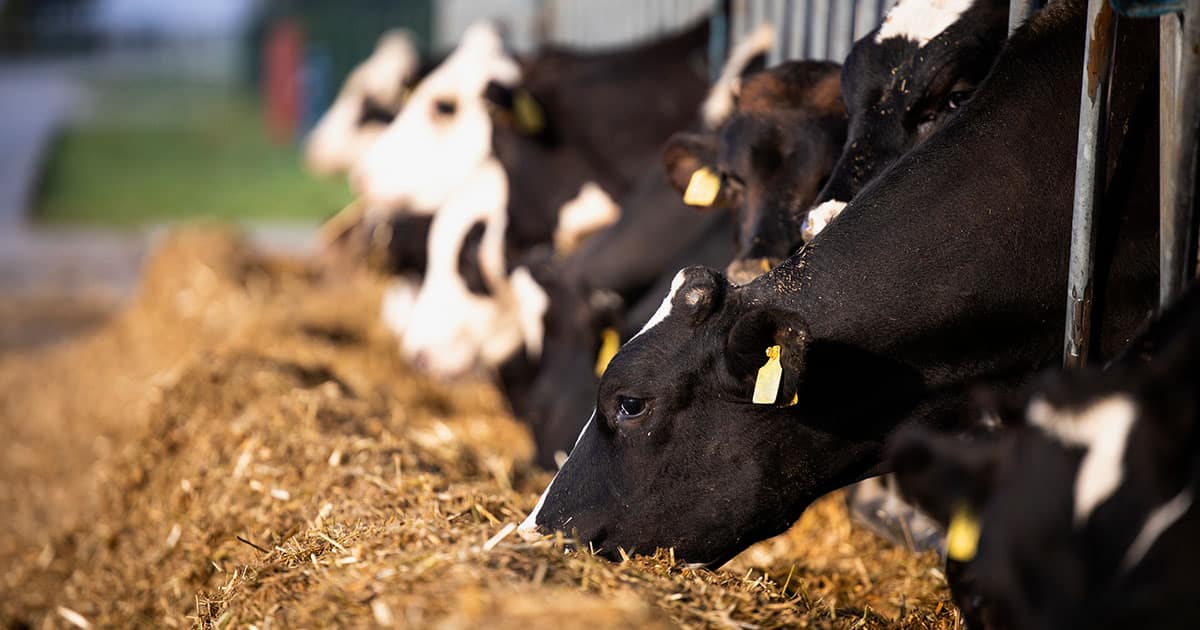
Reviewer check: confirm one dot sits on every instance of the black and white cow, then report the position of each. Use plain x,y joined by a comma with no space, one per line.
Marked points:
514,154
768,159
902,82
1079,512
948,270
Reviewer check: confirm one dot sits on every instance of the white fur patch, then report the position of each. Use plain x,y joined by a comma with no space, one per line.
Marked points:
338,140
424,156
528,528
453,329
589,212
397,303
1161,519
532,303
921,20
664,309
1102,430
820,217
722,96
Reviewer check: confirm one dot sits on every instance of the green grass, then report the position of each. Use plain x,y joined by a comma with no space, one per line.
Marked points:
156,153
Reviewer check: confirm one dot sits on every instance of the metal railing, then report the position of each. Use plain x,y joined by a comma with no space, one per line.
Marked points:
1179,134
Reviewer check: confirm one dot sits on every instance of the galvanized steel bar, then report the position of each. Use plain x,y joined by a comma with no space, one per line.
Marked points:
1169,34
1090,171
1185,221
1018,12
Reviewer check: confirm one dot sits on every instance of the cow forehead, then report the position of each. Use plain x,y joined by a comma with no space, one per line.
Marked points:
1102,429
920,20
382,75
478,59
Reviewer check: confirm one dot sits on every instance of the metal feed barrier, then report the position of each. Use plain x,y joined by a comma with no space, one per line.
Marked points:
1179,129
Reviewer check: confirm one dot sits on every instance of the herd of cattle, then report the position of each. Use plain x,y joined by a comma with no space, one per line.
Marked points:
894,233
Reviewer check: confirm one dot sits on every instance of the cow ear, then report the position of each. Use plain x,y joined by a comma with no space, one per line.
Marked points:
690,160
767,347
519,108
948,477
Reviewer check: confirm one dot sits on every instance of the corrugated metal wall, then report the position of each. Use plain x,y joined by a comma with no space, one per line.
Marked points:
808,29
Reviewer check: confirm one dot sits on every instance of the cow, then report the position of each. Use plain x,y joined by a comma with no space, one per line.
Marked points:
900,83
1078,512
768,159
903,81
529,152
369,100
738,405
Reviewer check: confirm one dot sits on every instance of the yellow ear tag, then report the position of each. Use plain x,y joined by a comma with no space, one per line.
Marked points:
962,538
610,342
528,113
703,188
766,388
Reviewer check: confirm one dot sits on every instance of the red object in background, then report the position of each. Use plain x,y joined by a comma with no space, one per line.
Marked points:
282,86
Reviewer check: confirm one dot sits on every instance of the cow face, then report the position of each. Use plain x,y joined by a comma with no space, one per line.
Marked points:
444,132
902,82
678,455
368,102
768,159
1086,494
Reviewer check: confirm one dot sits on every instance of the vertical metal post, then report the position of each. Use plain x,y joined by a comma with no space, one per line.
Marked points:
1183,262
1018,12
719,30
1090,172
1169,34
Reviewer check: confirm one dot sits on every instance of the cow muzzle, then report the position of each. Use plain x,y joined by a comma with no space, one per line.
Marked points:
745,270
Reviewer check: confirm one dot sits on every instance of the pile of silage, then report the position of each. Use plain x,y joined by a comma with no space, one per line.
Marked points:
243,447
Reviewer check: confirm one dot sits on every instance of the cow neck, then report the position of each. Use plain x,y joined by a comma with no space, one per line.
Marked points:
937,267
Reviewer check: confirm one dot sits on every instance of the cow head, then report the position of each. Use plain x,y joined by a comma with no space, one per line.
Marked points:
767,160
444,132
902,82
367,103
1086,493
677,452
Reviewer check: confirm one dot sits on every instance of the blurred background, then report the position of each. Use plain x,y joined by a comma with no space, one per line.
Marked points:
121,118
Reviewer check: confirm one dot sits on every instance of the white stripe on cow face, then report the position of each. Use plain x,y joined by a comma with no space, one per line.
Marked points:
340,139
1159,521
531,302
444,132
820,217
528,528
664,309
396,304
589,212
722,96
1102,429
452,329
920,20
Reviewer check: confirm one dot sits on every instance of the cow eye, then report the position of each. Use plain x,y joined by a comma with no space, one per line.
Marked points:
445,108
630,408
956,99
